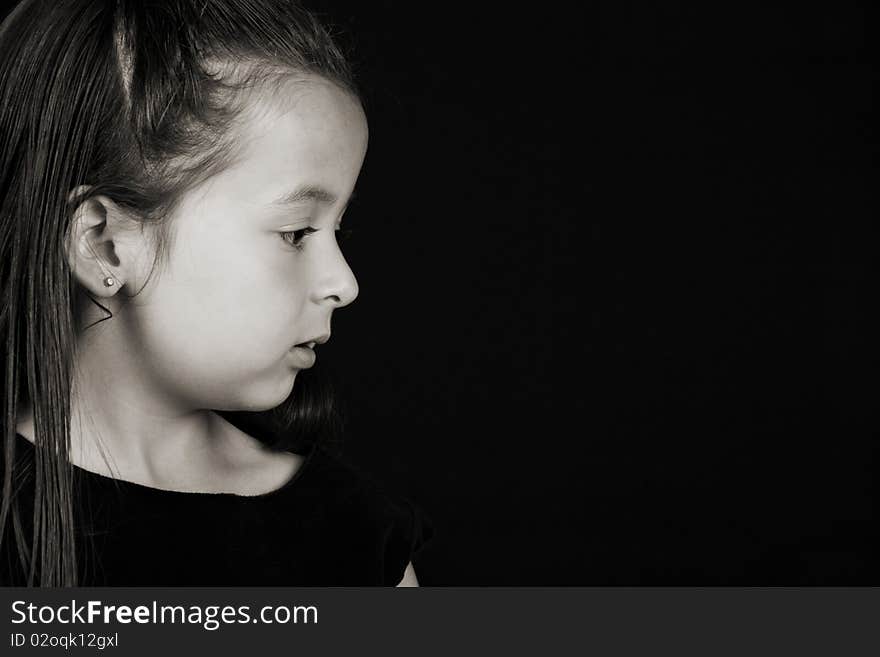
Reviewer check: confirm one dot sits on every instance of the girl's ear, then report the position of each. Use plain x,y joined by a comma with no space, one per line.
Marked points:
95,243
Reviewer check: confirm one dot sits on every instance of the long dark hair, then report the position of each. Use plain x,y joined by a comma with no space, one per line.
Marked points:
134,100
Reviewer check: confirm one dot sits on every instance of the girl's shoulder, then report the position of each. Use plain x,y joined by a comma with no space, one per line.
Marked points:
381,519
347,484
345,526
327,479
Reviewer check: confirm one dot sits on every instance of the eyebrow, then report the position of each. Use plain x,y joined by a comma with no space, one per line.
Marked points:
309,193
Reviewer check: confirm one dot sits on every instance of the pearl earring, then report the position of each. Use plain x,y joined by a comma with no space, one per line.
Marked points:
109,281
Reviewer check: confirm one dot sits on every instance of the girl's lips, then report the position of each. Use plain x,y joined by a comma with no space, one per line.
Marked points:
303,356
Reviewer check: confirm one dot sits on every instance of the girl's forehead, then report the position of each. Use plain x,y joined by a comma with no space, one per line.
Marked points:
309,103
314,134
305,120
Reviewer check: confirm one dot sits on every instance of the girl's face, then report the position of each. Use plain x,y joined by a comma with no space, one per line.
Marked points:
255,267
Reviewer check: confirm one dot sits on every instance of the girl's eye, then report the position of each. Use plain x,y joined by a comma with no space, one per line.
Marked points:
299,236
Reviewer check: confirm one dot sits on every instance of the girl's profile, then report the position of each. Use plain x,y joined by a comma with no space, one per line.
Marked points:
174,177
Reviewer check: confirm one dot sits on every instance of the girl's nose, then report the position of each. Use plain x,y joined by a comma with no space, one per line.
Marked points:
340,286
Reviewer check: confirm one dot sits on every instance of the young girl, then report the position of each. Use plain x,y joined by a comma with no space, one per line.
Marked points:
172,178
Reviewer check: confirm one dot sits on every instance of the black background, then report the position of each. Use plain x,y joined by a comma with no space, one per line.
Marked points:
614,289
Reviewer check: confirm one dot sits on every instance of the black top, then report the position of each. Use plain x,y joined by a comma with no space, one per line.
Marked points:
328,525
